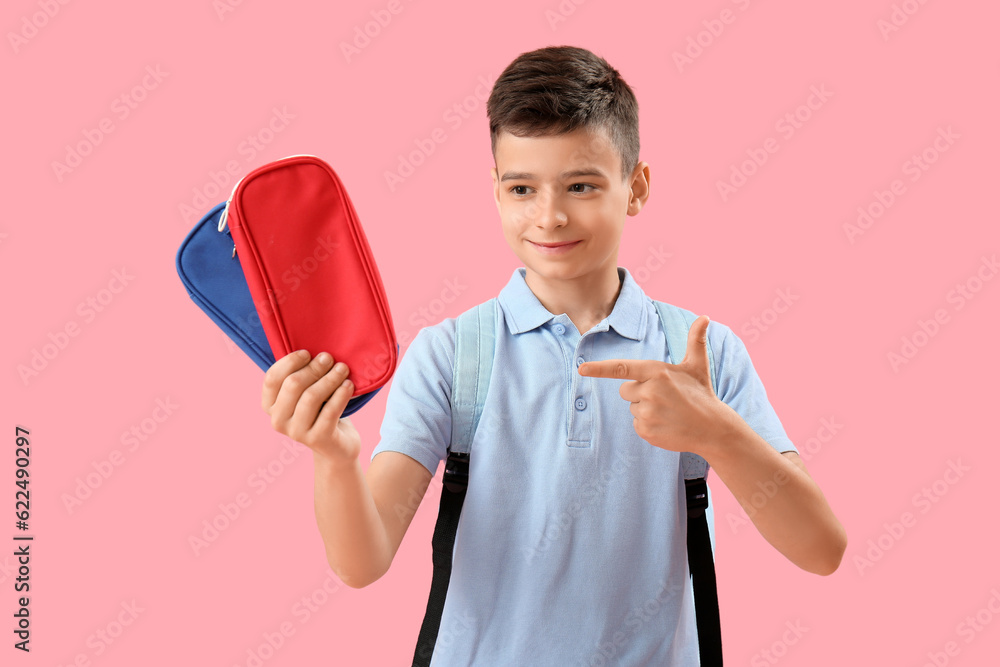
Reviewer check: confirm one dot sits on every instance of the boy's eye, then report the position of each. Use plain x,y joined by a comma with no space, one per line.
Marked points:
517,188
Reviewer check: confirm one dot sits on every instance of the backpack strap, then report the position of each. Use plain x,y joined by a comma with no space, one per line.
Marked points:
475,342
677,323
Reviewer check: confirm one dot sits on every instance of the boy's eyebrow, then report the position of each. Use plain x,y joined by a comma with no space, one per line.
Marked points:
524,176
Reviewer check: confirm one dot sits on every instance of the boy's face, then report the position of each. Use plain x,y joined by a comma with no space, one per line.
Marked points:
541,200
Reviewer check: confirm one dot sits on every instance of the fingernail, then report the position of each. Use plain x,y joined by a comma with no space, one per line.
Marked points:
323,358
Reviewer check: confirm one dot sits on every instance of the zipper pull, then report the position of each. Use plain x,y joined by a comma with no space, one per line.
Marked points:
234,253
222,218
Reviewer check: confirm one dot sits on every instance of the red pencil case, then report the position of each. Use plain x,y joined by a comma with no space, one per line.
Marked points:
311,273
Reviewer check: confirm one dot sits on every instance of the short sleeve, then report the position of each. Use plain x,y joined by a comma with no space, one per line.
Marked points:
417,419
741,389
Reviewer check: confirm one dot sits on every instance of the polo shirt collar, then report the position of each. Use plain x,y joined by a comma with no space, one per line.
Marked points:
524,312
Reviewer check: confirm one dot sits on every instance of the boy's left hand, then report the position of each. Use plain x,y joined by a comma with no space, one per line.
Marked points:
673,405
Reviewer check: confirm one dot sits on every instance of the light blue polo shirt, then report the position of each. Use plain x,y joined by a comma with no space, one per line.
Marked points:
571,548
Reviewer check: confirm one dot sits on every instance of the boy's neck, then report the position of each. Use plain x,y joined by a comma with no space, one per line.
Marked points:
586,300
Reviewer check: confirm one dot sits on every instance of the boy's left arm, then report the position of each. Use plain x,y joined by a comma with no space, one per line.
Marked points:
794,516
675,408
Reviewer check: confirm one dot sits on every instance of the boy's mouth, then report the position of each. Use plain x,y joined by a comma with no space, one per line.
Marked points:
553,245
554,248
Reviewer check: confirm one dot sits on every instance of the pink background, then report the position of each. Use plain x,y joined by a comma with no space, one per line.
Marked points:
440,250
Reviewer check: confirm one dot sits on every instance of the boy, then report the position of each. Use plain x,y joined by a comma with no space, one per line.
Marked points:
572,531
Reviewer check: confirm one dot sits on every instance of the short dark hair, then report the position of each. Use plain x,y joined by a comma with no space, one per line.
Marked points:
557,89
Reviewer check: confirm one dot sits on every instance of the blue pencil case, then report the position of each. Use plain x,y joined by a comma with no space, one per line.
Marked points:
215,281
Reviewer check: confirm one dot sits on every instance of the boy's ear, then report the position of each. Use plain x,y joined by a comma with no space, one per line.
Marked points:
496,187
638,188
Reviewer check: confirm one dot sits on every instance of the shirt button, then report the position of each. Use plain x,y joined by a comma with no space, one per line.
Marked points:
579,360
580,404
559,329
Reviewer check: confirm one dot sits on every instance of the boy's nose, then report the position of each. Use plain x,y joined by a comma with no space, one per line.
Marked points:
550,213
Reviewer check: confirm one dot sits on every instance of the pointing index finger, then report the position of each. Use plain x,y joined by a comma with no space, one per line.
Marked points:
619,369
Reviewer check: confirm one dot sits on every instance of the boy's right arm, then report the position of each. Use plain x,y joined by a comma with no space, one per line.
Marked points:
362,519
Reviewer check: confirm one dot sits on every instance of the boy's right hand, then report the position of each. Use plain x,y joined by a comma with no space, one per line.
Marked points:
294,390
